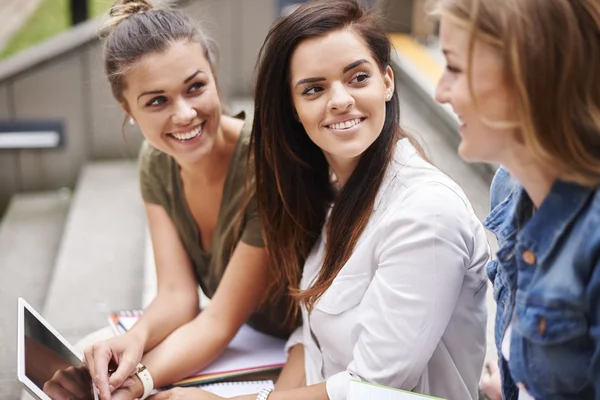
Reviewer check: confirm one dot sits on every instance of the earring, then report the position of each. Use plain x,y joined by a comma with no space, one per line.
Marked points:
388,96
131,121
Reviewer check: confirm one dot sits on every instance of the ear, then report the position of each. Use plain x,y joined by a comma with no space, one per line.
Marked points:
388,80
125,108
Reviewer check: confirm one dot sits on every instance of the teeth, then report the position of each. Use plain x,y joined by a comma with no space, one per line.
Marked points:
345,125
187,135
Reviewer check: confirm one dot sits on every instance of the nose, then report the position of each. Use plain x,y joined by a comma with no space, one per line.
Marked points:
442,91
184,113
340,99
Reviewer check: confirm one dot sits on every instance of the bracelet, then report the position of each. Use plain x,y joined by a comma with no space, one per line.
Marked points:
263,394
144,375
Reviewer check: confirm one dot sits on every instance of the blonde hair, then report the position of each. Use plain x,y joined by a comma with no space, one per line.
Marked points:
551,53
137,28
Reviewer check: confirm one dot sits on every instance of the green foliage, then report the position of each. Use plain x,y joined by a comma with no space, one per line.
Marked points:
51,18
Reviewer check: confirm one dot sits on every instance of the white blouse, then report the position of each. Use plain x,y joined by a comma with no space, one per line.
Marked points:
408,308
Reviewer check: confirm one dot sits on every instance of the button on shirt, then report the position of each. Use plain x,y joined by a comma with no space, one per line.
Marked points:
408,308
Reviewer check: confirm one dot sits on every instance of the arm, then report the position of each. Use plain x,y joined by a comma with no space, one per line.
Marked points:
176,285
292,375
237,297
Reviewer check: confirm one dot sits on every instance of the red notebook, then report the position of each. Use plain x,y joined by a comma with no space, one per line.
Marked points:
249,352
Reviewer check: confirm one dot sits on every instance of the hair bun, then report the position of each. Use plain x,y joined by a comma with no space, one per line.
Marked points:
123,9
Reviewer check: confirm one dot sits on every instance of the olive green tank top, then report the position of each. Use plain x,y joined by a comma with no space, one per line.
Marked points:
161,184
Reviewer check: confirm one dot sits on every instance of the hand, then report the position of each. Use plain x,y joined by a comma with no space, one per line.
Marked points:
70,383
490,380
185,394
125,351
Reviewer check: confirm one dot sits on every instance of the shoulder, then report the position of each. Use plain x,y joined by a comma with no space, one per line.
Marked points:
422,187
154,169
151,159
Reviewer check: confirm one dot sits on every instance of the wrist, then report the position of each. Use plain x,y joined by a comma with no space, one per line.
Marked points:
138,388
139,335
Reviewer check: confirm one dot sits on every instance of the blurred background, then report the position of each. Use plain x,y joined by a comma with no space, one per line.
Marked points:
73,237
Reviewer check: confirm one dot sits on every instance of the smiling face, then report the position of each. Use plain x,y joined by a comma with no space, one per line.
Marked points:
490,99
339,93
173,97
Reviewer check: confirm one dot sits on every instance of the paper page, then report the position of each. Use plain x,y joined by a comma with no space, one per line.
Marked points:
249,349
231,389
366,391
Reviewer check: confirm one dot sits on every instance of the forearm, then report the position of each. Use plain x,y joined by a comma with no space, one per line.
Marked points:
293,374
188,349
313,392
164,315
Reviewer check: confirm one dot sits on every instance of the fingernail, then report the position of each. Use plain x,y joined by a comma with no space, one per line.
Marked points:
128,382
111,388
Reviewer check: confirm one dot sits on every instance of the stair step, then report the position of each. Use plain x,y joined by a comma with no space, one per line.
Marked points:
30,235
99,264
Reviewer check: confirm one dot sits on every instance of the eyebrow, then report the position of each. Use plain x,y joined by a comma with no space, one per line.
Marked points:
187,80
192,76
347,68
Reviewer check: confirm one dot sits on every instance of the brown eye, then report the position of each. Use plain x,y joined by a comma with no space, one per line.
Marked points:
157,101
361,77
196,87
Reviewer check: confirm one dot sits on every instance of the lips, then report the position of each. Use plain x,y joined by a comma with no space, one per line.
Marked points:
346,124
189,135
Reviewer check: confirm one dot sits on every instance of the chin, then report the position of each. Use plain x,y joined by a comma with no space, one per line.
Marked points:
349,153
466,153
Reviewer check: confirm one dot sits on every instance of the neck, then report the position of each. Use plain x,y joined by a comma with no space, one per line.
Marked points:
536,179
342,167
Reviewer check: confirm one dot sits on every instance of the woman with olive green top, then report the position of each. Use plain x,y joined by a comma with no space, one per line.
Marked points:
161,184
202,222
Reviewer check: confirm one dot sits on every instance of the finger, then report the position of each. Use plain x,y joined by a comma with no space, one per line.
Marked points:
122,394
126,367
74,387
99,370
84,375
56,391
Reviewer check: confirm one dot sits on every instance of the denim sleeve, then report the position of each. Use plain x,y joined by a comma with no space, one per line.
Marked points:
502,185
593,302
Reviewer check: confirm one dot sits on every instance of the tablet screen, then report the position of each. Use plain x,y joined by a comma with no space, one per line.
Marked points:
51,366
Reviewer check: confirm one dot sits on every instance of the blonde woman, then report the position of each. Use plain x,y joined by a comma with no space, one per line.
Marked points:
523,76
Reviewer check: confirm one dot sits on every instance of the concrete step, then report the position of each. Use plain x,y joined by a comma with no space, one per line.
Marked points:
30,235
99,264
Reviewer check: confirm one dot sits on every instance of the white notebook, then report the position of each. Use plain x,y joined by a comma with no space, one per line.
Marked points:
367,391
231,389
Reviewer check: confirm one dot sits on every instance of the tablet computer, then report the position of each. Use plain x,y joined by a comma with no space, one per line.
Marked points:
47,365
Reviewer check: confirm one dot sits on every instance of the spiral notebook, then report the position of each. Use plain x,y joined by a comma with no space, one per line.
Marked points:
231,389
249,352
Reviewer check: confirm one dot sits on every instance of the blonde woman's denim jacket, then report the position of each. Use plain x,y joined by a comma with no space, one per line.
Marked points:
547,286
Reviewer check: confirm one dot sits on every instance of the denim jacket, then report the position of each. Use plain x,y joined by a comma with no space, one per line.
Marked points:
547,285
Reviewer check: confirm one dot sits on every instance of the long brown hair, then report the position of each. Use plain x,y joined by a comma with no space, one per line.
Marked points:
294,190
551,54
